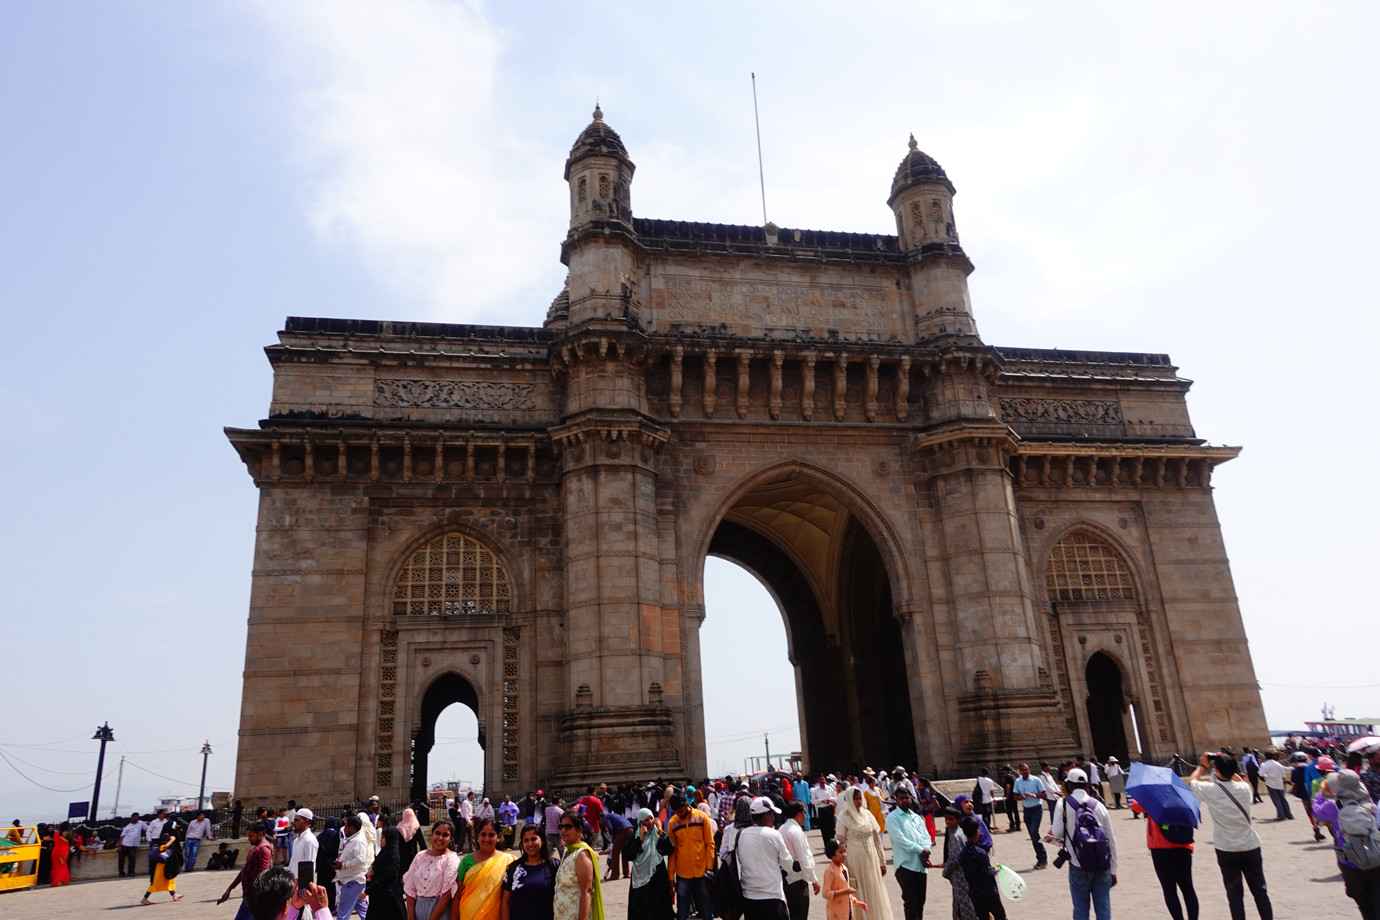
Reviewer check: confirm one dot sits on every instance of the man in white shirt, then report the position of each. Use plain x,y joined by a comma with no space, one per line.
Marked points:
466,828
1228,797
762,857
799,880
1273,772
1052,790
197,831
304,845
351,866
131,835
156,825
988,788
823,796
1085,884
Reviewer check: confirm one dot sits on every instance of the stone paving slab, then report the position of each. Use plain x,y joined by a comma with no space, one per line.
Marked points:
1302,875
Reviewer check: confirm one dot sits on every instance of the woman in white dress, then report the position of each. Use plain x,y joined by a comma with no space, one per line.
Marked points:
865,858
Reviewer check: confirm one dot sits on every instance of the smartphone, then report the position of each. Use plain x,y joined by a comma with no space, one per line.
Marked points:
306,875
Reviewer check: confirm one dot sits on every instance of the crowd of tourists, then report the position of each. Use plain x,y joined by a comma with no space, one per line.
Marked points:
738,847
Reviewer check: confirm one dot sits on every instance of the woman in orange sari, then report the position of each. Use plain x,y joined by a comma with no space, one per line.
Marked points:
480,878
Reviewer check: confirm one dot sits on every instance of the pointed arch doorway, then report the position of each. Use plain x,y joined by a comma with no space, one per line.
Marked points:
445,691
1106,705
827,575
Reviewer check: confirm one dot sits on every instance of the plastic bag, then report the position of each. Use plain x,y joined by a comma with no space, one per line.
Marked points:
1011,885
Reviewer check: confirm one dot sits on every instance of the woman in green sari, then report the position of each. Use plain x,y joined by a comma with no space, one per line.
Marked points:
480,877
578,896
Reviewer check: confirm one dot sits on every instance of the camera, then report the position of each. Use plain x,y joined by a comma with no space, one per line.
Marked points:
1061,858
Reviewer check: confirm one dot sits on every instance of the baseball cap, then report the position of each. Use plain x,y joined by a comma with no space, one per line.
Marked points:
305,814
373,798
761,805
1076,776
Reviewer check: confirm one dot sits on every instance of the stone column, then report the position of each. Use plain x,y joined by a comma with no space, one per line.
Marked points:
1004,709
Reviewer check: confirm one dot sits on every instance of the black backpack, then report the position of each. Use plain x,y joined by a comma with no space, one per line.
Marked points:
727,886
1177,833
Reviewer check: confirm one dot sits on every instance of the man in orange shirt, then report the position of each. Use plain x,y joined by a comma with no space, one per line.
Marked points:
693,834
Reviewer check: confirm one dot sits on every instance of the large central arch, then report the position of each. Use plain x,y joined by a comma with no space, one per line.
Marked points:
804,536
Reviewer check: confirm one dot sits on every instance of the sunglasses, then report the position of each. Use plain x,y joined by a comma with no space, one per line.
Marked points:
567,827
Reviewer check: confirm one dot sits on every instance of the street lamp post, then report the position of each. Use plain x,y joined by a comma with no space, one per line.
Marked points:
201,797
103,734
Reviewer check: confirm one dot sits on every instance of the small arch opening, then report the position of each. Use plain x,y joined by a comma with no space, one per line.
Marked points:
1106,706
440,724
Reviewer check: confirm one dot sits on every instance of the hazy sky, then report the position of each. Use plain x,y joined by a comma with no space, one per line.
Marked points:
175,178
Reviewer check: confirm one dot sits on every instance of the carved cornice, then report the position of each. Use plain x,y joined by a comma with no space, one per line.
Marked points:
1038,465
309,454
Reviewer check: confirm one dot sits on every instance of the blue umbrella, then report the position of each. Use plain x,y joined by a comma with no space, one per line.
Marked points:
1164,796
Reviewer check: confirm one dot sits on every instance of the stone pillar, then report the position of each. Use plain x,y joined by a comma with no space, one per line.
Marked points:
1005,710
615,643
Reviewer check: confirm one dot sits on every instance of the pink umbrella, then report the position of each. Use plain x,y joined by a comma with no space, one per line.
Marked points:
1360,744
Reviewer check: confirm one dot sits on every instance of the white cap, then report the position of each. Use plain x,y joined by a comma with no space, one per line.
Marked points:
305,814
1076,776
832,778
761,805
373,798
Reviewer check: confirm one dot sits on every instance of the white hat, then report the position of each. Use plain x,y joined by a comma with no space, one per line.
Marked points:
761,805
373,798
1076,776
1112,760
305,814
832,778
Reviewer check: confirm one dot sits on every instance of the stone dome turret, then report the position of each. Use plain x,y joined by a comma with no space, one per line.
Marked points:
597,139
917,166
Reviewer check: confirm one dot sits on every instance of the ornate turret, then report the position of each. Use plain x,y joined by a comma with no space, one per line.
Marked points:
600,247
922,197
600,175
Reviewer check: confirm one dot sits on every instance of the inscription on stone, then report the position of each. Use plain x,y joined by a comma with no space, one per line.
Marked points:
795,309
455,394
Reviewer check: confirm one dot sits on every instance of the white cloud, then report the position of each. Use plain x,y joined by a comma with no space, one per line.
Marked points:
411,167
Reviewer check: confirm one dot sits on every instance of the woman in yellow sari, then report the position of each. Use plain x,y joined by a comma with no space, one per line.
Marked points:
480,877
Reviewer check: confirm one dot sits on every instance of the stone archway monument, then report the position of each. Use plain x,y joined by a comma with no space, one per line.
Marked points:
952,529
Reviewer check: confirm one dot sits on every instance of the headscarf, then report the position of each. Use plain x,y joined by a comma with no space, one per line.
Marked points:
385,885
742,812
984,835
855,819
328,842
408,825
648,860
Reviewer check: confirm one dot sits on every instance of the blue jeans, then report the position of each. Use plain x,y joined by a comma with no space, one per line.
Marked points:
1033,815
1096,886
348,901
243,913
686,889
191,846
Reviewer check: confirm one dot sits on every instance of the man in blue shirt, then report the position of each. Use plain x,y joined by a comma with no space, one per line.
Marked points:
1030,792
910,849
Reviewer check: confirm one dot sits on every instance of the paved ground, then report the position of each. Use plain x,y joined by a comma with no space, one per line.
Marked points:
1302,875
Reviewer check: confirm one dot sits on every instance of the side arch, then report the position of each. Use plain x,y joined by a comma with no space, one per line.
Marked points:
1102,612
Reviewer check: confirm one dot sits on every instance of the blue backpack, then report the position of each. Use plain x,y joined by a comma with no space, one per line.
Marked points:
1088,840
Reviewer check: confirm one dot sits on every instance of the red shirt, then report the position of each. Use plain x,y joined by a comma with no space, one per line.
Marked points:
255,864
594,810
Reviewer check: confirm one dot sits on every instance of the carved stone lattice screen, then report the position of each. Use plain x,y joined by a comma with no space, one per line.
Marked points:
388,691
1084,568
453,575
